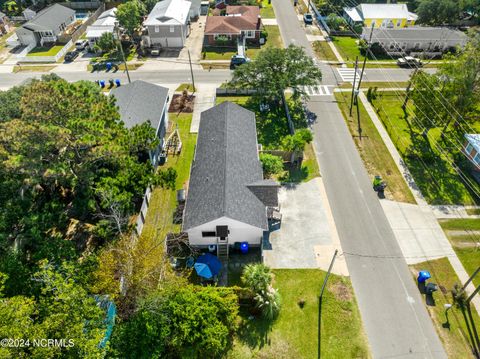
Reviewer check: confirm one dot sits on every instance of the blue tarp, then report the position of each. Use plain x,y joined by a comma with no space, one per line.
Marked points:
207,265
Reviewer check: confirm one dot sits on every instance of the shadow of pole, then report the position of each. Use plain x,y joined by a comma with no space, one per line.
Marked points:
470,334
475,333
319,349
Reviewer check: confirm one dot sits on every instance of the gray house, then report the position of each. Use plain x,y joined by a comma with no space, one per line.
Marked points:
141,102
228,199
46,25
167,25
413,40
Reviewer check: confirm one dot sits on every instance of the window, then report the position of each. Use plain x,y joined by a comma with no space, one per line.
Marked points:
399,23
476,159
172,28
249,34
469,148
209,234
157,29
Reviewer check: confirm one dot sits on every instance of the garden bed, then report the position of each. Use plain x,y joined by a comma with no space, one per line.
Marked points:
181,103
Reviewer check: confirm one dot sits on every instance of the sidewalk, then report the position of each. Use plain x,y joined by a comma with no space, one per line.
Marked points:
446,212
416,227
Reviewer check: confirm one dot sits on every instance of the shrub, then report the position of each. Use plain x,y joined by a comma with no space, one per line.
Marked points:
167,178
268,301
297,141
271,164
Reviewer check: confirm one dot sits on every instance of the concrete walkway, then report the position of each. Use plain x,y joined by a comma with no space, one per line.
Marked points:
204,99
307,237
451,212
417,229
269,22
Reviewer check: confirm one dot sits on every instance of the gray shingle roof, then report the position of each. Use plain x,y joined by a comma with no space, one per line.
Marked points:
424,34
50,17
139,102
226,163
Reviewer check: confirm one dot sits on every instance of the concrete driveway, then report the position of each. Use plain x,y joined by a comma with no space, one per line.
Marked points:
307,236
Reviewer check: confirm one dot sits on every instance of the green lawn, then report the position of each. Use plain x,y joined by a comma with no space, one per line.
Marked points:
456,340
323,51
45,51
274,39
33,68
373,151
266,11
295,333
159,220
466,242
439,182
188,87
347,47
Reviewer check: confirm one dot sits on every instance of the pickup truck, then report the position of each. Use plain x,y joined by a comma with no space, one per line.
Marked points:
409,61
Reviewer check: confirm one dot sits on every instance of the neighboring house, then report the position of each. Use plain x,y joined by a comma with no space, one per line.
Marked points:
104,23
382,15
471,147
227,198
430,40
167,25
141,102
239,21
46,25
4,23
195,9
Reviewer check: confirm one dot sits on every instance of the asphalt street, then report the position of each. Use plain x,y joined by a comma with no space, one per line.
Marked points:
395,319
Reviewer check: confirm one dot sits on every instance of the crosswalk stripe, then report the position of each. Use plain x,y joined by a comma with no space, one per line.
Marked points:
318,90
347,75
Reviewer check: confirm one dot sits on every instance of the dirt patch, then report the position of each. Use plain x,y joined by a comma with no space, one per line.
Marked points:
341,291
182,103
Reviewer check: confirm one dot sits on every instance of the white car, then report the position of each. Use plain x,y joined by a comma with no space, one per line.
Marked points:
409,61
81,44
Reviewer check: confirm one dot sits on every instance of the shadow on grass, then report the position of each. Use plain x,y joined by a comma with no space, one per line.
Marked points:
472,330
253,331
294,174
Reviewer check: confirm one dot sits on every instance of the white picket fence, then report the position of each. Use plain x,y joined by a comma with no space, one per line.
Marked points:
22,57
143,210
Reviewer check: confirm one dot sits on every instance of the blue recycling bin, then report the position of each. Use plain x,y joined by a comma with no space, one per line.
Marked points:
117,82
423,276
244,247
109,66
102,83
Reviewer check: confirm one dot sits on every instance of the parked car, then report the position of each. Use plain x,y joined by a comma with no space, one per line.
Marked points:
308,19
409,61
71,55
238,60
81,44
155,52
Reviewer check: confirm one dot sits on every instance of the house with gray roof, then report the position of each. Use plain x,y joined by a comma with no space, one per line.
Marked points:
227,199
417,39
46,25
140,102
168,24
105,23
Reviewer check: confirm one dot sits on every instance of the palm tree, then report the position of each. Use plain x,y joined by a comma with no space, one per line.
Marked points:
257,277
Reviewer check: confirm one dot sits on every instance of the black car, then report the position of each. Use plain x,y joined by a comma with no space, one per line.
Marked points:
238,60
308,19
70,56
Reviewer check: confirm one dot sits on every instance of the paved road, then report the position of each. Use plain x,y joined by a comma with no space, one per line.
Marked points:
396,321
166,77
330,75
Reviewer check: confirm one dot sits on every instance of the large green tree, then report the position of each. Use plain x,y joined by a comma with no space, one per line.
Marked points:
130,15
438,12
179,322
62,309
274,70
71,174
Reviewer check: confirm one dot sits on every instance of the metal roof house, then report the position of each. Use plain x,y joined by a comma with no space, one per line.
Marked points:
104,23
141,102
227,198
167,25
382,15
46,25
432,40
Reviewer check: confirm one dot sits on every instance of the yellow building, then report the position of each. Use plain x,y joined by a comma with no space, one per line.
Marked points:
381,15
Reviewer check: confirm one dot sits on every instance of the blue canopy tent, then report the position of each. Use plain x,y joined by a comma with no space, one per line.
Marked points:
207,265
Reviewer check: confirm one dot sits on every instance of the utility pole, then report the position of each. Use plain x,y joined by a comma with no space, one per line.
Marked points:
353,85
356,100
320,302
121,51
191,70
404,105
